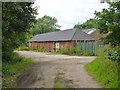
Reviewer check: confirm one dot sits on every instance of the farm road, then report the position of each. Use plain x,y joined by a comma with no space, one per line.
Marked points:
70,70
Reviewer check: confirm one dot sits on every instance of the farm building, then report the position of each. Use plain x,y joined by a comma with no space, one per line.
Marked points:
60,39
95,33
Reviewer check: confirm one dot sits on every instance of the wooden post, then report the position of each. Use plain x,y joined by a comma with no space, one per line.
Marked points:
76,41
84,46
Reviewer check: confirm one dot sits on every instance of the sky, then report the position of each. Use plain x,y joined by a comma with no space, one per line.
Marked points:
69,12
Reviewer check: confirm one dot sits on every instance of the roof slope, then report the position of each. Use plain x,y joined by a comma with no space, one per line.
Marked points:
89,31
80,35
65,35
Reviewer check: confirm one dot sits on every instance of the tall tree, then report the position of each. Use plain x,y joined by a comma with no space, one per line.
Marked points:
108,21
91,23
16,21
44,25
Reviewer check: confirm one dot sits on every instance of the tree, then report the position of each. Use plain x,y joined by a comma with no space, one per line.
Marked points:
91,23
44,25
108,21
16,21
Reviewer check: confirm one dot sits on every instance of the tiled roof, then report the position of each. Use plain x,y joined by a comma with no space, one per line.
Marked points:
65,35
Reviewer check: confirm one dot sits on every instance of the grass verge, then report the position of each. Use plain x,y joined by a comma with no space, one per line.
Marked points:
104,70
43,49
11,70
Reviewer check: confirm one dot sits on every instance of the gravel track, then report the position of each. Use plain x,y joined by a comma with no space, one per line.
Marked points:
42,74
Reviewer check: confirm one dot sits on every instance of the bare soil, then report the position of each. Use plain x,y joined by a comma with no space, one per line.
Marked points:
70,69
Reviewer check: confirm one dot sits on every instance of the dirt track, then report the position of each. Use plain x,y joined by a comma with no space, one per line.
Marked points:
47,67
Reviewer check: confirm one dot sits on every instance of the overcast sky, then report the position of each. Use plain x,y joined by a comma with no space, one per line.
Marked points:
69,12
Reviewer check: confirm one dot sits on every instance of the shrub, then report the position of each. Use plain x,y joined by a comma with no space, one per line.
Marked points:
88,53
74,51
43,49
64,50
77,50
32,49
113,54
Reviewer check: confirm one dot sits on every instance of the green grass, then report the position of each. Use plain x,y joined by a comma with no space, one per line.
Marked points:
31,49
13,69
104,70
59,85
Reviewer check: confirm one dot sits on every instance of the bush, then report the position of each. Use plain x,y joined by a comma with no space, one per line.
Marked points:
77,51
64,50
113,54
25,48
74,51
32,49
88,53
43,49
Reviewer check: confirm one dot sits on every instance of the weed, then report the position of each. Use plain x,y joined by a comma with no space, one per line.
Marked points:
59,85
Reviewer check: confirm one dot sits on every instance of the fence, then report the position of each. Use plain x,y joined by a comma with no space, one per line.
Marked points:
89,47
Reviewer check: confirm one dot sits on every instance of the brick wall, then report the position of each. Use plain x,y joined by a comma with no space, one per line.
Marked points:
91,41
51,45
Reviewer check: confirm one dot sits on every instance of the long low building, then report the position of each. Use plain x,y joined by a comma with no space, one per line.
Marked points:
60,39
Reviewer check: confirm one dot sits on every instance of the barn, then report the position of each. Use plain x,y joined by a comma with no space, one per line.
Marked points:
95,33
60,39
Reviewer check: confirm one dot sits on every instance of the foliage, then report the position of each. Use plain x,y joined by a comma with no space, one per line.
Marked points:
74,51
104,70
44,25
10,70
21,48
16,21
108,21
113,54
64,50
91,23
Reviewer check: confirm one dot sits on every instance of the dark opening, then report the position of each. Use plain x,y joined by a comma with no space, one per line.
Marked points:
82,41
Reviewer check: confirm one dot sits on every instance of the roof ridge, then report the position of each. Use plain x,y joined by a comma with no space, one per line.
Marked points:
55,31
74,33
89,35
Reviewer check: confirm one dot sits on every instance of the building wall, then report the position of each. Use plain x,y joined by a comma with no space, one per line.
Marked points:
51,45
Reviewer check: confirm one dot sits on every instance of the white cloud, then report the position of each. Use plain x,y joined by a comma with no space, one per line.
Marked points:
69,12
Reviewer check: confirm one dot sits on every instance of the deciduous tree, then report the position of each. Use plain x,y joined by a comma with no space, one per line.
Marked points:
91,23
44,25
16,21
108,21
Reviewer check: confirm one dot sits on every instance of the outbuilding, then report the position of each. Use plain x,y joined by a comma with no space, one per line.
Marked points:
60,39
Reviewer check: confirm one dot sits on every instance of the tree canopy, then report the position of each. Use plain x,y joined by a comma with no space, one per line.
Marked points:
44,25
16,21
108,21
91,23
